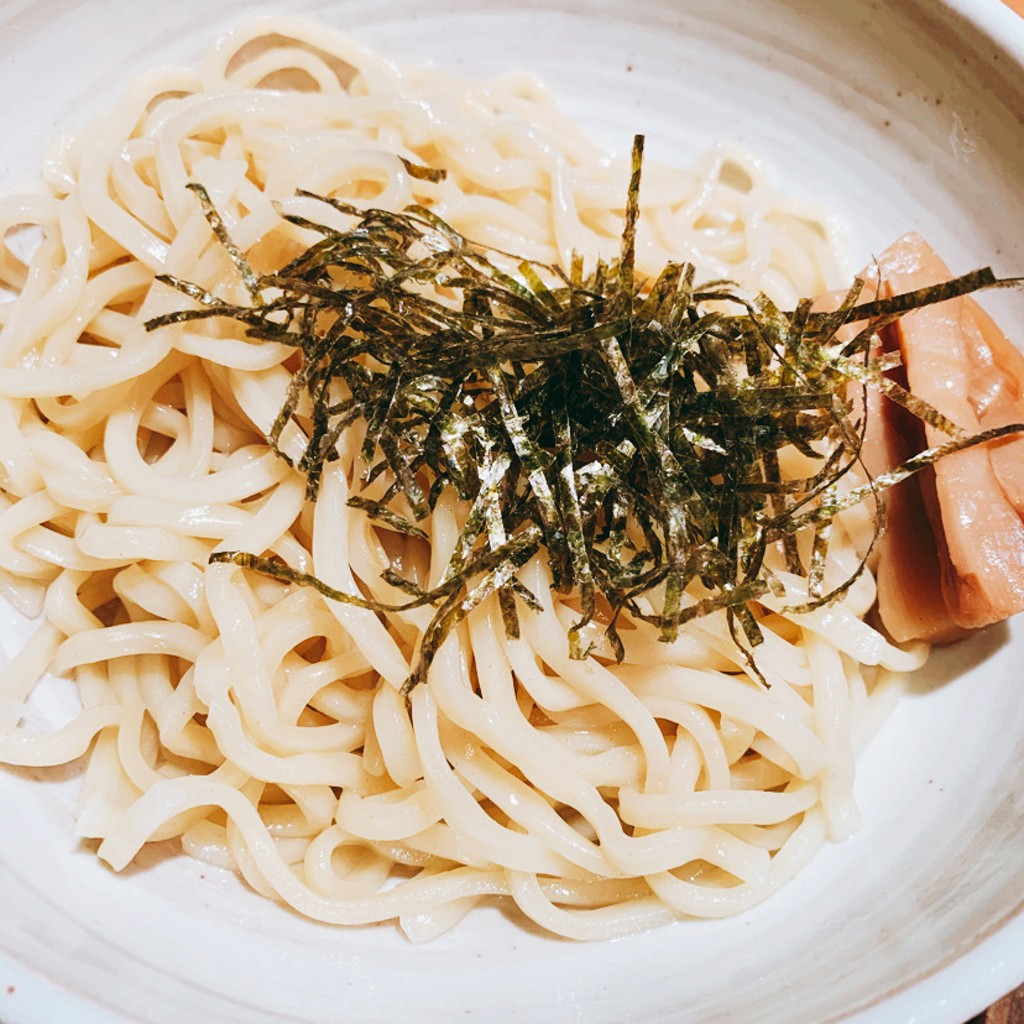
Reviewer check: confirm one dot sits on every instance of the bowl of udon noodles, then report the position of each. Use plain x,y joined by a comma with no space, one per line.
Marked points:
300,719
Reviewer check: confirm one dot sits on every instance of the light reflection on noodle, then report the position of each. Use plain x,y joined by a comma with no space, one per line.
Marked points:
263,724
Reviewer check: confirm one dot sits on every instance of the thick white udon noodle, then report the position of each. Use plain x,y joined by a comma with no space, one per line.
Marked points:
263,724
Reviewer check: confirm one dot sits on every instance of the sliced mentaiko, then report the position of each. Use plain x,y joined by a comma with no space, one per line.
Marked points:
906,562
953,555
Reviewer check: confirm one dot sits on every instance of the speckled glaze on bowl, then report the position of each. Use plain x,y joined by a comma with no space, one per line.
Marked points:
898,115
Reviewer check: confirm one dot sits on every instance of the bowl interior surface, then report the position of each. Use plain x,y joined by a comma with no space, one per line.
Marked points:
896,117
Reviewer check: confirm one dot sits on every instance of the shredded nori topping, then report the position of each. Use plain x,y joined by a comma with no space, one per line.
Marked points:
630,430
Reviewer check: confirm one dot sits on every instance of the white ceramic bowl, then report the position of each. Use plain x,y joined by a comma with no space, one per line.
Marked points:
901,115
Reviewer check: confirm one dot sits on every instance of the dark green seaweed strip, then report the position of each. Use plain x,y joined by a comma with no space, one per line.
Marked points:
245,271
379,511
193,291
434,174
885,480
527,541
627,252
573,524
873,374
457,607
975,281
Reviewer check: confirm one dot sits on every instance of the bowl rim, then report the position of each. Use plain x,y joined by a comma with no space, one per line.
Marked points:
971,982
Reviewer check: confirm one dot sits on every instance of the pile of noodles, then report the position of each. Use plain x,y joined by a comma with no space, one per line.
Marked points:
262,724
